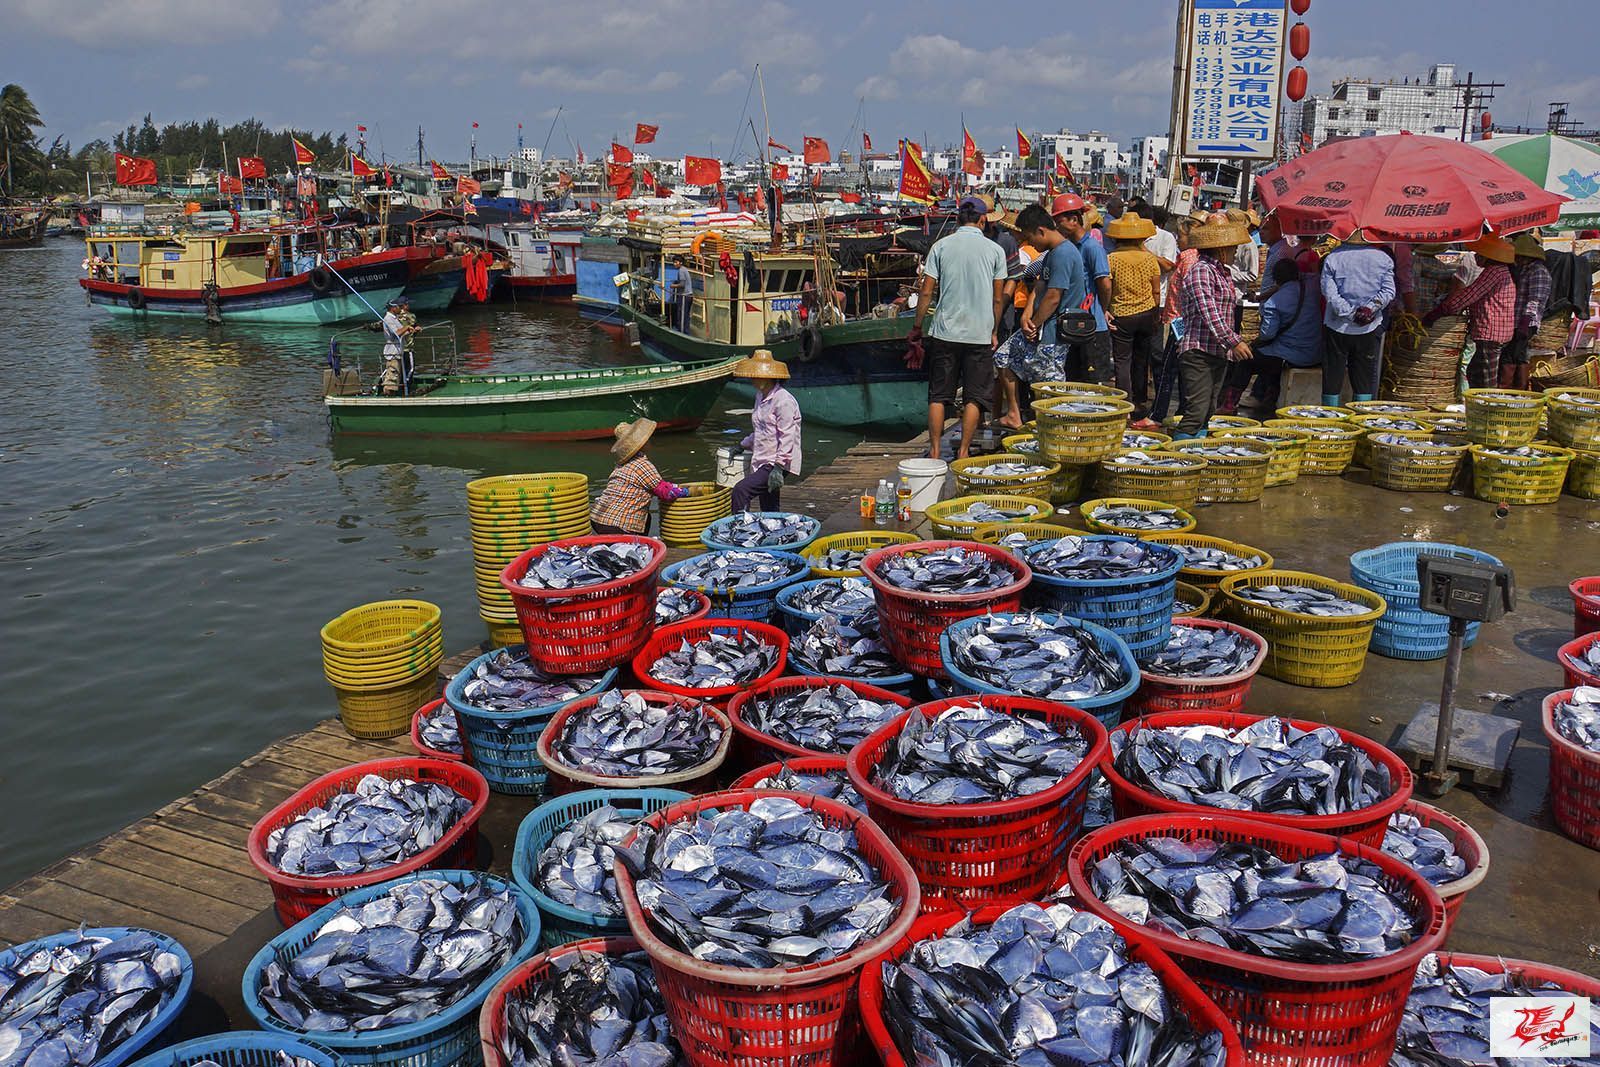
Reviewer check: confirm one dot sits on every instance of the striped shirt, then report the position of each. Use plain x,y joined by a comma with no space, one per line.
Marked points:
1489,303
1533,293
625,501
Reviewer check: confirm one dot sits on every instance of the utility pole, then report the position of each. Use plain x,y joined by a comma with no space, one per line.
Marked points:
1484,95
419,146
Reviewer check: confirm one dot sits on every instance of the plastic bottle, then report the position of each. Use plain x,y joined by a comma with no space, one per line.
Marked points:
885,502
903,500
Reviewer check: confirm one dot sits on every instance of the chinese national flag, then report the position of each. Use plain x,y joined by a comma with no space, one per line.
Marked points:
816,179
644,133
850,198
866,141
303,156
625,190
618,174
135,170
227,183
1024,146
971,158
816,151
360,168
780,172
252,167
438,171
621,153
774,144
697,170
468,186
915,181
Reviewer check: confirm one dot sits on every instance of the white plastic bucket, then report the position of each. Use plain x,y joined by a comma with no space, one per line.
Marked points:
926,479
731,466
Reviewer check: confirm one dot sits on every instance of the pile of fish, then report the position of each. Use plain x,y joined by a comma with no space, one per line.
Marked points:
1141,458
1214,450
1006,469
1268,766
506,681
1370,407
840,559
1107,557
982,512
947,570
774,530
576,867
736,569
1047,656
382,822
1030,447
1324,909
1578,398
590,1010
75,1003
440,731
622,735
1098,809
845,646
773,885
1326,430
574,566
1302,599
970,754
1429,852
1417,446
674,605
831,784
1446,1022
1578,718
1135,439
1522,456
1202,652
842,596
829,719
1038,987
397,959
1079,407
717,661
1314,412
1395,422
1130,518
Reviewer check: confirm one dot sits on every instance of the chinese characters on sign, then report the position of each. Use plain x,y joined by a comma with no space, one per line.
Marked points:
1230,103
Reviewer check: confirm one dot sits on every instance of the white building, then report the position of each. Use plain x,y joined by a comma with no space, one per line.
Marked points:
998,166
1088,155
1364,107
1147,160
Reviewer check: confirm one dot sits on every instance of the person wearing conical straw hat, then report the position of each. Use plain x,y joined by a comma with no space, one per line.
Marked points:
623,507
1533,295
1135,297
1209,341
1490,306
774,441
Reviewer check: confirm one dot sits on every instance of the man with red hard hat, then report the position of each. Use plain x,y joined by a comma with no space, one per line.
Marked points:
1089,359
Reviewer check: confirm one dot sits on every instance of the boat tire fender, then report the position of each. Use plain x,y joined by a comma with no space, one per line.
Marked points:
136,299
321,280
811,343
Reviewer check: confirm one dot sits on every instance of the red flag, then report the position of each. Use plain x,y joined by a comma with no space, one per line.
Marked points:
915,181
774,144
468,186
252,167
438,171
1049,186
227,183
1024,146
625,191
850,198
663,191
971,158
388,178
866,141
621,153
780,172
580,155
816,179
303,156
761,200
135,170
594,205
1062,170
527,207
474,125
644,133
618,174
722,198
360,168
816,151
697,170
361,129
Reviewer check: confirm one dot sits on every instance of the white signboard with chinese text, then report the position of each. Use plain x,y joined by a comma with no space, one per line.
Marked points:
1234,79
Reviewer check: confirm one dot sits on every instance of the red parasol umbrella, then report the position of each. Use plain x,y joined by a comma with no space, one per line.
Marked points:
1404,188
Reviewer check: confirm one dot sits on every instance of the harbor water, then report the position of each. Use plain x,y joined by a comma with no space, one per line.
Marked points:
177,522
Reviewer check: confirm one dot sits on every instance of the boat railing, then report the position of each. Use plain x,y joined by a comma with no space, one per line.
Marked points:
430,350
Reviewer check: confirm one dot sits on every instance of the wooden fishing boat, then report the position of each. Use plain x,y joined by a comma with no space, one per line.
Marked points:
554,406
22,229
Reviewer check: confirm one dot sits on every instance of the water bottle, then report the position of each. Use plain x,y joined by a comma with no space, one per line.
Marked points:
903,500
885,500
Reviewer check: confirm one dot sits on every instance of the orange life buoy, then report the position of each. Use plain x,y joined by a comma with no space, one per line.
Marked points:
700,239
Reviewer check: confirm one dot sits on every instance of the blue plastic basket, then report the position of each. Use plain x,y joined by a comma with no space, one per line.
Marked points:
1406,631
709,536
444,1040
752,602
794,621
240,1048
152,1033
504,745
1107,707
1138,609
894,683
560,923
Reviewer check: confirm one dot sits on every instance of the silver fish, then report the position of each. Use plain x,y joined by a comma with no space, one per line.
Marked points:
1030,447
737,569
624,736
840,559
1314,412
1206,558
1579,398
1128,518
1105,556
1216,449
1303,599
1431,853
1417,446
1036,655
575,566
828,719
440,731
1202,652
674,605
1081,407
718,661
1005,469
590,1010
1141,458
845,646
1578,718
1522,456
841,596
969,754
507,681
947,570
380,823
1135,439
752,530
1378,407
1395,422
833,784
577,866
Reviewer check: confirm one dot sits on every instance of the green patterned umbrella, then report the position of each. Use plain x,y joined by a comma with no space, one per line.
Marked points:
1562,165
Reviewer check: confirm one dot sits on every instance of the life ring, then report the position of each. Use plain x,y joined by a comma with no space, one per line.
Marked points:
321,280
811,343
700,239
136,299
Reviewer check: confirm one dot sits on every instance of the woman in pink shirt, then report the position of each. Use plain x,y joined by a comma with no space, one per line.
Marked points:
774,441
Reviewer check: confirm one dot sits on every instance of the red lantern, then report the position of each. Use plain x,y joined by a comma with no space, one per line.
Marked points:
1487,121
1297,83
1300,40
1300,6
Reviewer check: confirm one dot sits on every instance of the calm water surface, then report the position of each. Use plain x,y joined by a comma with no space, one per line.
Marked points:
176,524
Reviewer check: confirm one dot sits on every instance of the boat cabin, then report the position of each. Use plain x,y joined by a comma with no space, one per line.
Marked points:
769,294
168,259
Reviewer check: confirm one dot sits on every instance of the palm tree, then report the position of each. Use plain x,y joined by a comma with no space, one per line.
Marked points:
18,119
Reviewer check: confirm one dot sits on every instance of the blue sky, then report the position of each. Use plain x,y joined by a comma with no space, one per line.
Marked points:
910,68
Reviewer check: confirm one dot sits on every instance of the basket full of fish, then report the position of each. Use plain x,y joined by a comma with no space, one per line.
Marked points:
758,911
1580,660
809,716
1445,850
1117,581
1503,416
1159,473
1134,516
1287,772
240,1048
1308,943
1317,629
1330,443
822,776
394,975
713,659
782,530
1406,631
1236,471
1288,446
364,824
1042,655
635,738
741,583
922,588
1007,472
680,605
502,704
848,645
1519,474
1206,665
839,555
1573,416
587,603
1080,429
1421,461
983,795
1571,720
803,603
1207,560
91,996
1038,984
961,517
436,733
565,859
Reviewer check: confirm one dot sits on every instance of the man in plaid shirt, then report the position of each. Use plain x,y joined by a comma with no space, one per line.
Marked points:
1490,306
1533,296
1207,297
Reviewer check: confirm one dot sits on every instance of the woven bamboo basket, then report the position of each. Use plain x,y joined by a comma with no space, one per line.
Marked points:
1551,370
1583,475
1080,437
1503,416
1204,577
1427,463
1427,373
1513,480
1249,323
1179,486
1330,445
1231,479
1417,422
1573,424
1288,446
1037,484
1553,332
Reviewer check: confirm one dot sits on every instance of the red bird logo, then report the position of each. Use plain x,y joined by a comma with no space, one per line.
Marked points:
1536,1025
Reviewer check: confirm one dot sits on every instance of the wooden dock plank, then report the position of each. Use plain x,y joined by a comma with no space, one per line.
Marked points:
72,906
188,873
19,923
168,841
230,835
157,897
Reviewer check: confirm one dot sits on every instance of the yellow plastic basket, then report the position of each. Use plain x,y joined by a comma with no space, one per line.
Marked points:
1036,484
375,674
556,486
1312,413
1288,449
1190,601
1387,407
857,541
1573,424
1088,507
502,631
1513,480
1583,475
381,627
1053,390
1144,440
1203,577
1178,486
963,529
683,521
1231,479
386,712
1309,650
1330,443
1379,422
1424,463
1503,416
995,532
1080,437
1068,483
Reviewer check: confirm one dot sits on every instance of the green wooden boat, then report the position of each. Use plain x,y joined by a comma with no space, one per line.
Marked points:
556,406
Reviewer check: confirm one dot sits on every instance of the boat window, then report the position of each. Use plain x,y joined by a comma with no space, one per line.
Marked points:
243,249
128,252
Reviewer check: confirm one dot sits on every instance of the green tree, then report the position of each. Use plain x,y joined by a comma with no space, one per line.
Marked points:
18,141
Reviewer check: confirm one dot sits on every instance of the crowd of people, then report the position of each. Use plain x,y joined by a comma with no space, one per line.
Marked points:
1155,305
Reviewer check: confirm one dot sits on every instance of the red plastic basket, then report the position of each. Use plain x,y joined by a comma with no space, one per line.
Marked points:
668,638
577,631
1574,780
1158,693
967,855
1469,846
564,779
756,747
804,764
805,1016
297,896
1583,985
701,611
1365,826
910,623
1576,675
1287,1014
422,746
1203,1015
492,1016
1585,606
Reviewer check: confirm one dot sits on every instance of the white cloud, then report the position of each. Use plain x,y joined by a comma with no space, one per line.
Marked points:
808,84
667,79
727,81
192,82
104,24
878,87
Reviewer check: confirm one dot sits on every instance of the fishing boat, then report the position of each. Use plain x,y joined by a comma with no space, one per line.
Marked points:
23,228
544,260
600,260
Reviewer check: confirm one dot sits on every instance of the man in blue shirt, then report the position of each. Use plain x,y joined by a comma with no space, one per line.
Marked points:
1089,360
1291,336
1357,285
